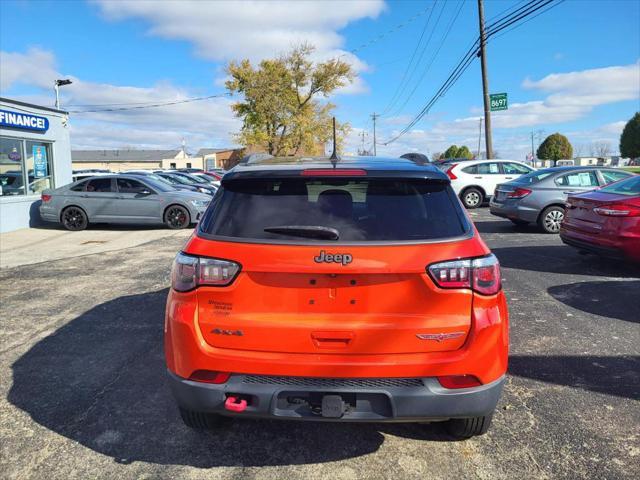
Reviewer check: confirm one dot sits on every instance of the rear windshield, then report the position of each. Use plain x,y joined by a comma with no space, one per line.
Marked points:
533,177
359,210
630,186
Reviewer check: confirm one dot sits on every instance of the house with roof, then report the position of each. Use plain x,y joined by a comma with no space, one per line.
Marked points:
127,159
224,158
130,159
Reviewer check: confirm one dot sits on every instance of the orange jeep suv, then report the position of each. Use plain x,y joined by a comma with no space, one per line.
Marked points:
353,290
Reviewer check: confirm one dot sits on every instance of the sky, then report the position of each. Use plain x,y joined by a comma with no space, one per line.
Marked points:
574,69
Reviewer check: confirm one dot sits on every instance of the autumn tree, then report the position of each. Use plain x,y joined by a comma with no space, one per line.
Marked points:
458,152
281,111
555,147
464,152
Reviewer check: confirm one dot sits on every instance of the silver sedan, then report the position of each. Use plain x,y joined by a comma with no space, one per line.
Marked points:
539,196
128,199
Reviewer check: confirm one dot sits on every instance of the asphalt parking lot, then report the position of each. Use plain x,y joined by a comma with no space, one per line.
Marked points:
83,393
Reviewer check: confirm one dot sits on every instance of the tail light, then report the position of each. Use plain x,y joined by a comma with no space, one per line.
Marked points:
481,275
45,198
209,376
450,173
519,193
618,210
189,272
459,381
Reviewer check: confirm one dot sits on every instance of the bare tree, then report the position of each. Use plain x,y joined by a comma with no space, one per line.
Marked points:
579,150
601,149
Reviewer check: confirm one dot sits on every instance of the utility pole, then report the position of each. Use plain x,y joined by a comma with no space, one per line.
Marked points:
363,134
479,137
485,82
374,117
533,152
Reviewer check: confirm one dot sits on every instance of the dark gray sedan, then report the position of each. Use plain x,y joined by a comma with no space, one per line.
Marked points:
540,196
121,199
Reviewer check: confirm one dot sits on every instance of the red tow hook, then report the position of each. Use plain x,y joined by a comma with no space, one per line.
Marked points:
235,404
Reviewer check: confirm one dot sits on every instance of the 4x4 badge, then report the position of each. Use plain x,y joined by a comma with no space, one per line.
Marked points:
324,257
439,337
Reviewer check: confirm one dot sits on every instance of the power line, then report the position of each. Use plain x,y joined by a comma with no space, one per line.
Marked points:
466,60
154,105
530,18
433,57
388,32
413,55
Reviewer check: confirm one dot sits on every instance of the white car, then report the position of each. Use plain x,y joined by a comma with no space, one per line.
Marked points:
474,181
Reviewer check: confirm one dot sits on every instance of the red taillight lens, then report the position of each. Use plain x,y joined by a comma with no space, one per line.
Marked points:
189,272
450,173
333,172
459,381
519,193
618,210
480,274
209,376
45,198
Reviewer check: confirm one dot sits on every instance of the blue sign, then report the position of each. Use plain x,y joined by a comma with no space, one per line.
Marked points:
39,161
24,121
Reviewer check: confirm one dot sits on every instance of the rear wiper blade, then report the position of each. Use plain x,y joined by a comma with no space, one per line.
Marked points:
308,231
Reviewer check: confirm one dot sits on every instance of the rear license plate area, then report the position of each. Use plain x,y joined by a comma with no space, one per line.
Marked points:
332,405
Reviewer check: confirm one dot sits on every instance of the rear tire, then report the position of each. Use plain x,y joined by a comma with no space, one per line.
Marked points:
551,218
177,217
472,198
200,420
74,219
462,428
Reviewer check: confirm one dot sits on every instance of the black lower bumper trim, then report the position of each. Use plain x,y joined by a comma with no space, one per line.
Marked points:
589,247
428,401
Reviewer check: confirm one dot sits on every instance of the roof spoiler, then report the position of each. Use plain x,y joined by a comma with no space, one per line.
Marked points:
255,158
417,158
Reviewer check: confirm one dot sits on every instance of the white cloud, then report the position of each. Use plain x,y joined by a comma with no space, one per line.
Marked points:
37,67
224,30
571,96
201,123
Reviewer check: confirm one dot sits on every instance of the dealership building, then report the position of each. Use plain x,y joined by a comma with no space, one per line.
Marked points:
35,154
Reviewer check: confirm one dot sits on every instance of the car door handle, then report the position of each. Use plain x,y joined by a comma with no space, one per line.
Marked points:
567,192
479,178
85,196
509,178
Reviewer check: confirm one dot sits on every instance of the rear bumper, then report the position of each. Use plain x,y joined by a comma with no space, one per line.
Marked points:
623,250
514,211
270,397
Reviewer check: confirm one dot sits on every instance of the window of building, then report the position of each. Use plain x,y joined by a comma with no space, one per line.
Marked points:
11,166
172,165
26,167
39,167
188,164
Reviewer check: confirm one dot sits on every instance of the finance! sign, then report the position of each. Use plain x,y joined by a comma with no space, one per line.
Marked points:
498,101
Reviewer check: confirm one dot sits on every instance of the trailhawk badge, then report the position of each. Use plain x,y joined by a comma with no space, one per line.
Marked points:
439,337
324,257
